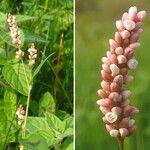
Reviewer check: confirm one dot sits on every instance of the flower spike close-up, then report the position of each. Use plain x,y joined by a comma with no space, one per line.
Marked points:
115,97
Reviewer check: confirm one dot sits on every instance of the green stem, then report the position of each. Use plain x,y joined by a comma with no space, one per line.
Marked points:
121,144
26,115
27,107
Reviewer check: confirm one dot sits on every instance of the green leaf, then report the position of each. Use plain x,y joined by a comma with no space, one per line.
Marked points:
18,76
33,37
34,142
40,126
68,122
55,123
23,18
46,104
62,114
8,122
3,19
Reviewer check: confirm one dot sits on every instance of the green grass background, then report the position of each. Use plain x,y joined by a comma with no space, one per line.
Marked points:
95,24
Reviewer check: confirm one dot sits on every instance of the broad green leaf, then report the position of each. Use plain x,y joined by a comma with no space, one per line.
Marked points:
18,76
34,142
36,123
55,123
46,104
8,122
10,99
40,126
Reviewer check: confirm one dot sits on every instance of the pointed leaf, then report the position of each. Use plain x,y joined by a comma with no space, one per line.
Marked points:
18,76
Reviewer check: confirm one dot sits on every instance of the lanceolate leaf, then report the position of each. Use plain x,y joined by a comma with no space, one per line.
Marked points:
18,76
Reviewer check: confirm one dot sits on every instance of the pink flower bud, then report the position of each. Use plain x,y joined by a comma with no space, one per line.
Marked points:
123,132
114,69
125,34
108,53
105,120
106,76
129,24
113,59
132,12
116,110
132,129
114,133
124,123
105,85
114,96
118,38
134,45
121,59
126,94
105,60
102,93
125,103
118,79
134,38
141,15
109,127
111,117
125,16
104,102
114,87
113,44
119,25
127,50
119,50
106,68
132,63
128,79
138,25
104,109
130,111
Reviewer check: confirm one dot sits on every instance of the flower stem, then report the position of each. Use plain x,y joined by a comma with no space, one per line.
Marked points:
121,144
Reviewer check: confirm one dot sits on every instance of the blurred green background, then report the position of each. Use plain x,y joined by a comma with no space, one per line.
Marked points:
95,24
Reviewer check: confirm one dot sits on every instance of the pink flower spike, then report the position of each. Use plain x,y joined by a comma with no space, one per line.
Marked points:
120,59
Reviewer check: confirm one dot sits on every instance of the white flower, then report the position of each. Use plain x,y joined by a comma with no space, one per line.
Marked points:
111,117
114,133
132,63
114,69
129,24
131,122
